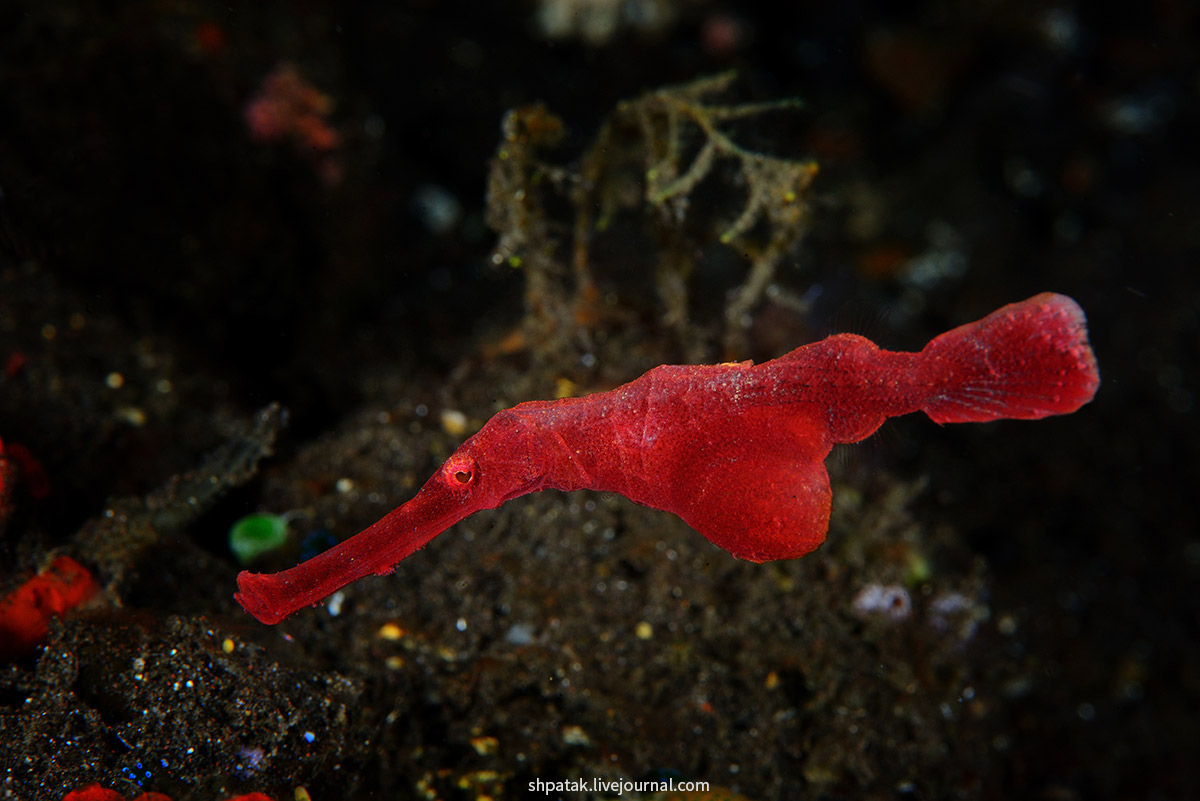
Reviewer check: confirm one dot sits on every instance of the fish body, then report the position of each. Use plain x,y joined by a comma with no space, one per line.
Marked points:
736,450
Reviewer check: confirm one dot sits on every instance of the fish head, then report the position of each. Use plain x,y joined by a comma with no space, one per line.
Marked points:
500,462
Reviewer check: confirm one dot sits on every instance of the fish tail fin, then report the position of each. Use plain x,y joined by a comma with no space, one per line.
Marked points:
1024,361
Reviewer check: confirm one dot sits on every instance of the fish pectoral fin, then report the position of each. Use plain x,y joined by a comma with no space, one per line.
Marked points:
759,488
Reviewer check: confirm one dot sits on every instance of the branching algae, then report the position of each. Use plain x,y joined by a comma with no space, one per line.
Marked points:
652,155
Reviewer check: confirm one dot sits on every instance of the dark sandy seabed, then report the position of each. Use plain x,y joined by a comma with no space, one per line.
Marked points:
200,320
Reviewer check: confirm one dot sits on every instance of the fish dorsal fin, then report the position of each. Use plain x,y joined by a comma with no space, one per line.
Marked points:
756,483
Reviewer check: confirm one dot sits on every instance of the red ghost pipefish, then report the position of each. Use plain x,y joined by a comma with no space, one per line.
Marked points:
736,450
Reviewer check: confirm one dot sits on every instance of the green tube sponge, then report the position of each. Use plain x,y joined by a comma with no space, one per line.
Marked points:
255,535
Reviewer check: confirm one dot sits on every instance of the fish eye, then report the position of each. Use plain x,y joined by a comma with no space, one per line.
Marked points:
461,472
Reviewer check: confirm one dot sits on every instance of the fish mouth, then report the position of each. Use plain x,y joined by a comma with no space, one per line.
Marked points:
270,597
